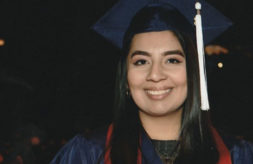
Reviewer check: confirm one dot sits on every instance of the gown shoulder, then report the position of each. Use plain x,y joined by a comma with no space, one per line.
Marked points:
82,149
241,150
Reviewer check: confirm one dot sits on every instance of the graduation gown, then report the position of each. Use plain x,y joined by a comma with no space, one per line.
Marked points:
88,150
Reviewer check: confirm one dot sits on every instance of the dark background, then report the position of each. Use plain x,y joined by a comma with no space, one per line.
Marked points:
58,75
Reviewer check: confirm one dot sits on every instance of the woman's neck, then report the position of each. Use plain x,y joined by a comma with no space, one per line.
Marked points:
162,127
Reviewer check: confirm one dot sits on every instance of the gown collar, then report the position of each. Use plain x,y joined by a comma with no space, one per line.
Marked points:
149,154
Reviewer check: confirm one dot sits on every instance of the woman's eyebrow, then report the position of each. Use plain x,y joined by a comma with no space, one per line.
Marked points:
174,52
138,52
145,53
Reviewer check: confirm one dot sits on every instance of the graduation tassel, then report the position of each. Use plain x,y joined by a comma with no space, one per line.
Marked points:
200,48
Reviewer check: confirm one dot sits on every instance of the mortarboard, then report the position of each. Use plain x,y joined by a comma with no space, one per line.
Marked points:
114,24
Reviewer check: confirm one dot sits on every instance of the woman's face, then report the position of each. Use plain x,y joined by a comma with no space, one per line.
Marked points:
156,73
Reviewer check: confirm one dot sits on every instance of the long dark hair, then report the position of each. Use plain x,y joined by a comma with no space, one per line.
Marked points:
195,142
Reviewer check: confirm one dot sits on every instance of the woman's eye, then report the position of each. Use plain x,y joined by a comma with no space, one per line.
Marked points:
173,61
140,62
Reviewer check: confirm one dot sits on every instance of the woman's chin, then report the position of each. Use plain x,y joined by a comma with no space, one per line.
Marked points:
160,112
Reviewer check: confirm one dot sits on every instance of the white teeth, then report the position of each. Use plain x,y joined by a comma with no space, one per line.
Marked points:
160,92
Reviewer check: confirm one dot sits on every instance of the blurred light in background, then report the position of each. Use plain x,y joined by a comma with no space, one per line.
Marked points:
1,158
220,65
2,42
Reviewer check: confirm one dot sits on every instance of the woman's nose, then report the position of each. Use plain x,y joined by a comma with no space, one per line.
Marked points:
156,73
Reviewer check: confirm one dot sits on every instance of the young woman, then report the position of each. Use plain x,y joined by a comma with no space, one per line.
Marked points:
157,115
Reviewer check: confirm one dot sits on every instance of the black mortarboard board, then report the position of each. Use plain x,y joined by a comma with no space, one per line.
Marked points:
116,21
183,16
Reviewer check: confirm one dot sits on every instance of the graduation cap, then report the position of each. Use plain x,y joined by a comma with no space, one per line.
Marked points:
185,16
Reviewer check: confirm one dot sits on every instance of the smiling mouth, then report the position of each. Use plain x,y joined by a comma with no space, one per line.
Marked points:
158,92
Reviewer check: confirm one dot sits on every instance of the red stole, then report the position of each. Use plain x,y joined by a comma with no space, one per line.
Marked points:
107,159
224,153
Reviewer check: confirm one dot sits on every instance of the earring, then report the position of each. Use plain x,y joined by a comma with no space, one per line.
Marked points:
127,92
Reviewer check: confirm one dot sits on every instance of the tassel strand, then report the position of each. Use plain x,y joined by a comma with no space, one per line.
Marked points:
200,48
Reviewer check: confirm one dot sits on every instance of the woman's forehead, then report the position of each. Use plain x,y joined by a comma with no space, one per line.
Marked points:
155,40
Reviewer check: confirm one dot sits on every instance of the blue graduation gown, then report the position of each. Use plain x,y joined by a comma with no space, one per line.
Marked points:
81,150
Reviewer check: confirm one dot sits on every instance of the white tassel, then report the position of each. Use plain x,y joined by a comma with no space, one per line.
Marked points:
200,48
